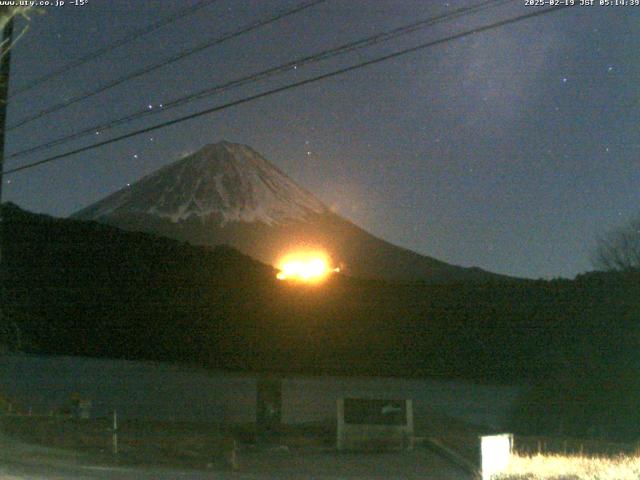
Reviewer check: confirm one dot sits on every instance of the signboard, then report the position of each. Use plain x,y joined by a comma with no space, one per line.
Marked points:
495,452
374,424
364,411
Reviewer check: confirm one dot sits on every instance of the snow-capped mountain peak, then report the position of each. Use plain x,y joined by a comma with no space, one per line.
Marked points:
228,194
223,181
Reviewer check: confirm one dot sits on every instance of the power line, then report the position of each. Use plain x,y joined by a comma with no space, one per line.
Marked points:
290,86
132,36
184,54
301,61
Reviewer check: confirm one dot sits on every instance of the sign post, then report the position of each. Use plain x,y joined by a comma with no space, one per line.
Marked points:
268,408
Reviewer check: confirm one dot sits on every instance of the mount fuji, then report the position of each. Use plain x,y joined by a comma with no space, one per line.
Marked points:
227,193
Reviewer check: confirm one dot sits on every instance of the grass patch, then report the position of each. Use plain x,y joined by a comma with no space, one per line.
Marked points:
157,443
571,467
139,442
568,446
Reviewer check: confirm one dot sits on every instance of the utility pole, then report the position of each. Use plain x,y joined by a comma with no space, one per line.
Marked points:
5,65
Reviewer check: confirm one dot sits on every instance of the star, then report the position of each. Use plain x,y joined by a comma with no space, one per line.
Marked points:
610,68
564,79
135,155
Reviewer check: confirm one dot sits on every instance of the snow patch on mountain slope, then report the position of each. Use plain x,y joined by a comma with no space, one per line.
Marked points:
229,181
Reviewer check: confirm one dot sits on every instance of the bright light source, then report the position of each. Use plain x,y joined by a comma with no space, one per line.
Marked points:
313,266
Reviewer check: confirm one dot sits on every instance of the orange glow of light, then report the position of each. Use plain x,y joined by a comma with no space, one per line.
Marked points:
305,267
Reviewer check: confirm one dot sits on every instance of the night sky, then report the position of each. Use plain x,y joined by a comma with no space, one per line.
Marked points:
510,150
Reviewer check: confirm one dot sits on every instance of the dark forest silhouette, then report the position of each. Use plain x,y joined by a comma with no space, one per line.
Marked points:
81,288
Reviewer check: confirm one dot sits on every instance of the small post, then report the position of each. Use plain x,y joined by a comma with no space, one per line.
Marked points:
234,455
115,432
340,441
